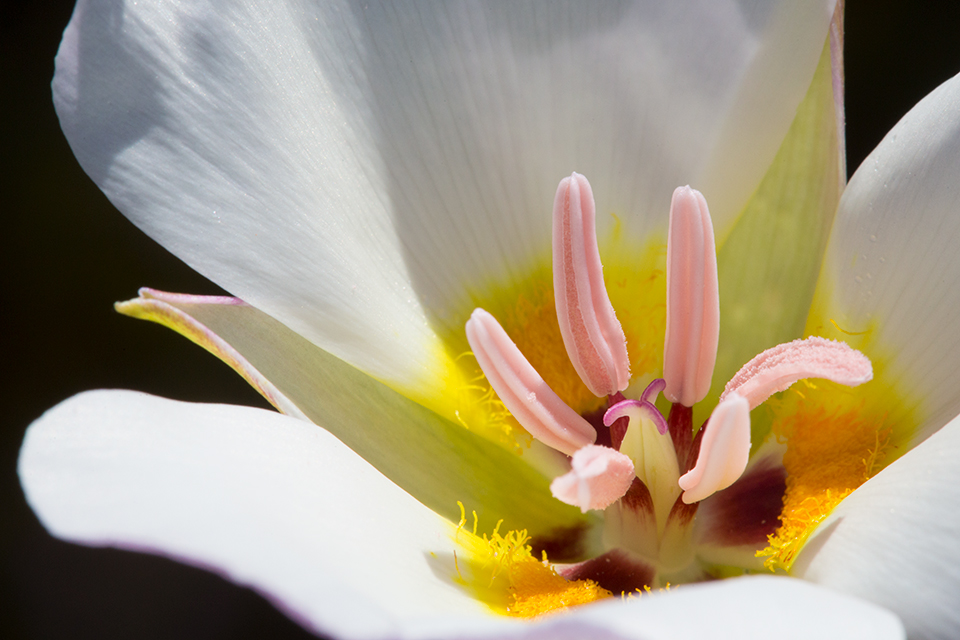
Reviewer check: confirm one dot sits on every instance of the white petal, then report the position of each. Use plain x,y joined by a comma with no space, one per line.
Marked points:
351,168
270,501
236,135
437,461
741,608
896,540
280,505
892,265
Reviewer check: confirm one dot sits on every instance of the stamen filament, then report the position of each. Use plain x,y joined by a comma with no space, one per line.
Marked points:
591,332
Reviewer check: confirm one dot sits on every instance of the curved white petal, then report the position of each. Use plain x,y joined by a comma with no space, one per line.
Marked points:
741,608
892,265
270,501
352,168
281,505
896,540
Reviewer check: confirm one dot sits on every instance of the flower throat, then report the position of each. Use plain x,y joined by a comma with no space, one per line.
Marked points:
594,402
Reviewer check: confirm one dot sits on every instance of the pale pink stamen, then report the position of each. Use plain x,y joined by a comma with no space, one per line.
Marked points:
591,332
693,300
521,389
724,451
777,368
598,477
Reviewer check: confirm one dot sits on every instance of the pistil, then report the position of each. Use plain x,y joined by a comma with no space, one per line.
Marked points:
650,447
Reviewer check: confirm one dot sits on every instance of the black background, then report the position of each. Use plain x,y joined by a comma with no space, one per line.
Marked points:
66,255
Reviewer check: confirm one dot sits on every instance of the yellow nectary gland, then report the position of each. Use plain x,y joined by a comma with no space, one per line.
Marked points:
836,440
501,571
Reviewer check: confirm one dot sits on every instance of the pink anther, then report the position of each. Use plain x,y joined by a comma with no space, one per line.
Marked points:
598,477
724,451
777,368
591,332
693,300
521,389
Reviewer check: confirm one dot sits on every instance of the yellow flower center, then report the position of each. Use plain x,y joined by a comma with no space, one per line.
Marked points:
837,439
635,280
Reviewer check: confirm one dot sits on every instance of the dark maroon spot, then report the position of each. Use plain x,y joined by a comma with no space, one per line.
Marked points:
563,544
616,571
749,510
693,452
605,435
595,418
682,513
618,430
638,497
680,426
619,427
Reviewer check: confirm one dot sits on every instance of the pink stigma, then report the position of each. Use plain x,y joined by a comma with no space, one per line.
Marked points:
693,300
599,476
521,389
591,332
777,368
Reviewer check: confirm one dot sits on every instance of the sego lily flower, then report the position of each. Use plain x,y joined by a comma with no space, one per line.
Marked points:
363,178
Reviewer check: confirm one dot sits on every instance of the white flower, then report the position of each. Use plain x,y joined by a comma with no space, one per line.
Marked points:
359,175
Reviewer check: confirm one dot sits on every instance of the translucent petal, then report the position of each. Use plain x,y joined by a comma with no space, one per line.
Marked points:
888,285
768,264
353,169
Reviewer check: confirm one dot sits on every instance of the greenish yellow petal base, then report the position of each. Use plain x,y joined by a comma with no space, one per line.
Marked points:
432,458
768,264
